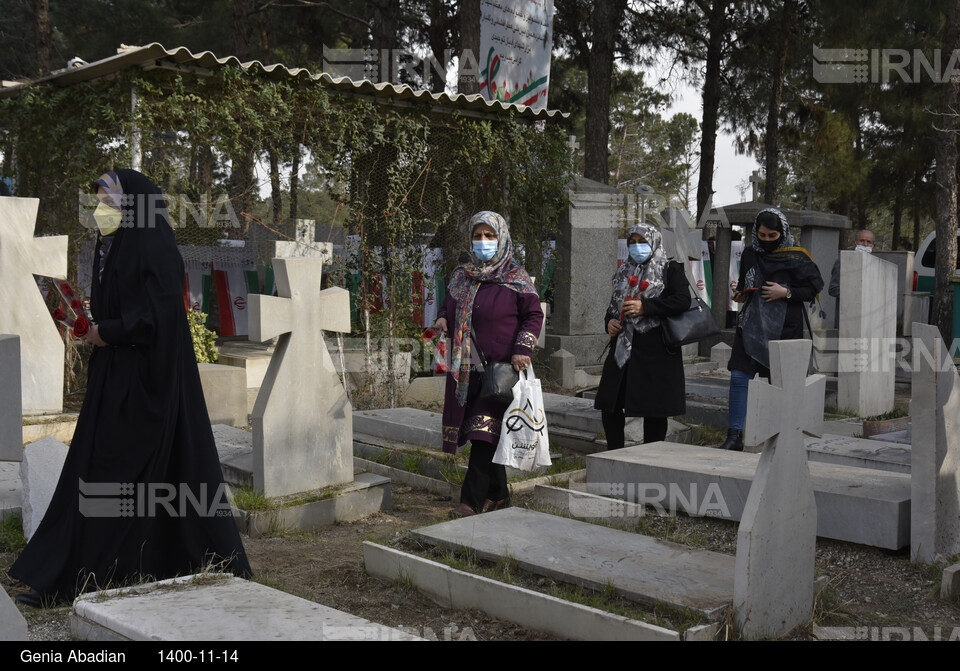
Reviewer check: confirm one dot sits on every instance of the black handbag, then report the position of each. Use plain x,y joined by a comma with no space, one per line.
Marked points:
497,379
691,325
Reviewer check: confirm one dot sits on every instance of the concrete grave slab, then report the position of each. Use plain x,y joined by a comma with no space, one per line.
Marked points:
22,309
858,505
642,569
12,625
216,608
10,488
235,449
39,475
302,420
225,393
405,425
861,452
777,537
935,512
452,588
11,412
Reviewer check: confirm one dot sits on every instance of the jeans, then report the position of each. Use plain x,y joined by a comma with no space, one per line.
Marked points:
739,381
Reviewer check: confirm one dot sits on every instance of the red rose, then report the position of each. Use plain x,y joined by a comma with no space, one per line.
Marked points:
66,289
81,327
429,334
77,306
59,315
644,285
632,281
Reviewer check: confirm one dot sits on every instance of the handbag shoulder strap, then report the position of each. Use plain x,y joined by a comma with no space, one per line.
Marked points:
476,344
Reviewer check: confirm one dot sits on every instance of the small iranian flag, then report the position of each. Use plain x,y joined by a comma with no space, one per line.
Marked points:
234,282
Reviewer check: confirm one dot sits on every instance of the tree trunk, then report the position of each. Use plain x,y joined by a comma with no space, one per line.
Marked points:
711,104
898,211
241,30
294,183
436,34
467,83
264,36
917,183
773,111
606,25
946,187
277,195
43,35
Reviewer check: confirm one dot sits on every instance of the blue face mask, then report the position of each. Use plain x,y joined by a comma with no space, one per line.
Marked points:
485,249
640,252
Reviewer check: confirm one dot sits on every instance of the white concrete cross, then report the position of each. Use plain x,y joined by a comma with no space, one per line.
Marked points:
302,420
755,183
574,145
935,455
776,542
22,310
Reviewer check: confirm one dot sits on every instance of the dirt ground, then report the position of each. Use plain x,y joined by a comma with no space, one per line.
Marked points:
868,589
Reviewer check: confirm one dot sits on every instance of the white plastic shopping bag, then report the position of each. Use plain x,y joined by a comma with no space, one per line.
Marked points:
524,442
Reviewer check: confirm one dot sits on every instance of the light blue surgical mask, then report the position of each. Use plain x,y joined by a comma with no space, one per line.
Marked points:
485,249
640,252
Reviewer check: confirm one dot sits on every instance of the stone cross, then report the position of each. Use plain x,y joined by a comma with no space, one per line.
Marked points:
810,190
302,420
755,183
22,310
11,415
574,145
680,241
935,458
776,542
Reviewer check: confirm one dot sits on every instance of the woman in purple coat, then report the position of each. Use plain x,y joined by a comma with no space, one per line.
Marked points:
494,300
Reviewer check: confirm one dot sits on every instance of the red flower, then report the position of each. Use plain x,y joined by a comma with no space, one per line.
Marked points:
632,281
81,327
59,315
66,289
644,285
429,334
77,306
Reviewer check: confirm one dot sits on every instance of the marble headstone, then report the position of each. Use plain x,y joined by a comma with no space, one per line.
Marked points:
935,464
11,415
22,310
776,541
868,329
302,419
39,475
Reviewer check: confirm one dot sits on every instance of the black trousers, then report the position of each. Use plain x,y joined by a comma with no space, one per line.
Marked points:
485,479
614,421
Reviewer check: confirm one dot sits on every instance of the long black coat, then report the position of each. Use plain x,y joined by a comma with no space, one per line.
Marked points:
143,427
654,384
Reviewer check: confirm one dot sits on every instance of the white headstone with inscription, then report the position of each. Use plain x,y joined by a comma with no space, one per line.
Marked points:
302,420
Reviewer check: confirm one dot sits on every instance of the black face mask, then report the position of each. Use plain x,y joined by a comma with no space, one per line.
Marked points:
769,245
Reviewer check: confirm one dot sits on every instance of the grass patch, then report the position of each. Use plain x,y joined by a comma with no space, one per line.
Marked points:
710,436
412,463
453,473
896,413
251,500
11,534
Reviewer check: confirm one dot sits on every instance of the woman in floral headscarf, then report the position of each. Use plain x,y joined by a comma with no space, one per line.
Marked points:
492,298
641,377
776,279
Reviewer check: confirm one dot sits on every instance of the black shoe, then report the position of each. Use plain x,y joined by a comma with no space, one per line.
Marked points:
33,598
734,441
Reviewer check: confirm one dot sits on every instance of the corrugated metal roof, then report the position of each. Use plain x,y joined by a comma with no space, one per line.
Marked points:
154,56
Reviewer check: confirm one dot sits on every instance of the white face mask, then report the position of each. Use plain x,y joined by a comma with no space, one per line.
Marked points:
864,248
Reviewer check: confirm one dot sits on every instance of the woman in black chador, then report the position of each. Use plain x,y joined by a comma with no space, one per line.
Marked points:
141,493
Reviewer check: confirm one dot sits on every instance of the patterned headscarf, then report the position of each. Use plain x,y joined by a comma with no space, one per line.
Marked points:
110,182
650,271
501,269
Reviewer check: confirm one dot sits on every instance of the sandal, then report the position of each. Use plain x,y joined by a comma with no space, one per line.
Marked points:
463,510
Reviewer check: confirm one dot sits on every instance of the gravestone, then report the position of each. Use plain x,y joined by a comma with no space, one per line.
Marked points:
12,625
22,310
11,415
776,541
720,354
302,419
904,261
39,475
935,466
866,359
681,241
586,253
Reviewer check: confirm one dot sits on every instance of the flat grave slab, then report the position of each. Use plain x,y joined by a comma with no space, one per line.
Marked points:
216,608
405,425
861,452
859,505
235,449
642,569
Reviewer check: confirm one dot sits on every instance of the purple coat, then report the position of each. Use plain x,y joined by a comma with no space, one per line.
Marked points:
505,323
